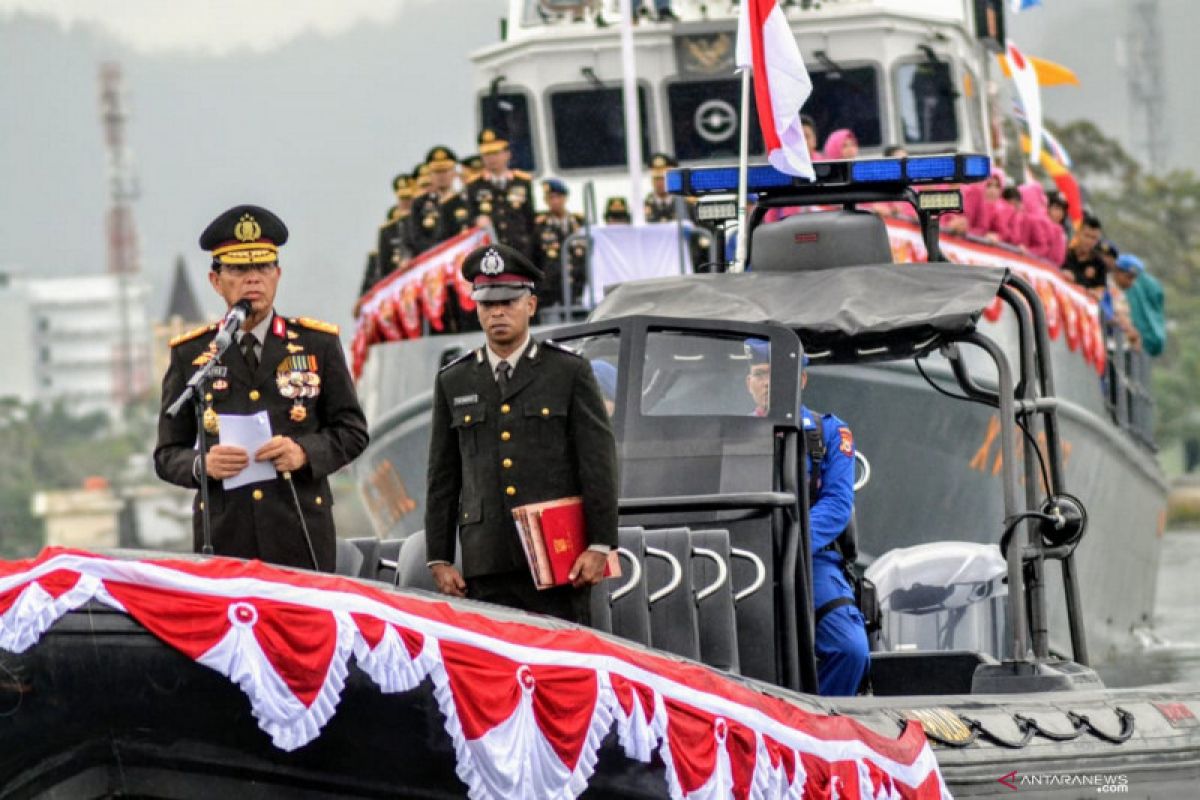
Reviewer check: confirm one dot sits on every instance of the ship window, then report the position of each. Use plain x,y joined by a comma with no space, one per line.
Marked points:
846,97
926,94
688,375
705,120
589,127
508,114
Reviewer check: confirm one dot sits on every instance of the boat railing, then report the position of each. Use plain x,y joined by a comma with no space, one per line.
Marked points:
1127,387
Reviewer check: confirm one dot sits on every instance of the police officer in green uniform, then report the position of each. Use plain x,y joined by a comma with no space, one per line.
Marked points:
551,233
441,212
501,196
616,211
516,421
291,368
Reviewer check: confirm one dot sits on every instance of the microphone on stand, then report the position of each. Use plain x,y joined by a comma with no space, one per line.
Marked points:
234,318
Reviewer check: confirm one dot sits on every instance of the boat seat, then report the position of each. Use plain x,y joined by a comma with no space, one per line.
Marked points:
714,599
629,606
389,555
754,579
369,547
673,618
820,240
349,559
411,572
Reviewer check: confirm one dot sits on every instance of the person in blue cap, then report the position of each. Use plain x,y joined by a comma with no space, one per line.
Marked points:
1144,294
842,650
551,232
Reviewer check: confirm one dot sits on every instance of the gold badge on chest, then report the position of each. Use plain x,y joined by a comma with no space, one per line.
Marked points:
212,425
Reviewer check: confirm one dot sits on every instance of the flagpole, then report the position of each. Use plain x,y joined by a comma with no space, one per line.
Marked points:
633,120
739,259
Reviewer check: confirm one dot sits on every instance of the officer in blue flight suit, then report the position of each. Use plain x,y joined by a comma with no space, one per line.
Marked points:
843,654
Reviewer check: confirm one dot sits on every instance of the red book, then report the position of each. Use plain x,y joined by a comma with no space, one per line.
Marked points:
558,535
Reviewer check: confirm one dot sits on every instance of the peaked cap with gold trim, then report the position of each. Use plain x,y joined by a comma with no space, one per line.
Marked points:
245,235
491,142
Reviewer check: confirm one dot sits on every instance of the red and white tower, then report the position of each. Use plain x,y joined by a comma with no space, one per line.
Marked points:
130,378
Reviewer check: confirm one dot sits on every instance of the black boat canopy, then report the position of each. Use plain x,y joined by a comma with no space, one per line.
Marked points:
857,313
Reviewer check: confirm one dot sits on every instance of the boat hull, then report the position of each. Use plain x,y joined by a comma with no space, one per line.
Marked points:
101,707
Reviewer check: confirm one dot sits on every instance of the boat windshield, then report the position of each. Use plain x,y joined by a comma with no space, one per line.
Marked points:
589,127
688,374
507,113
925,97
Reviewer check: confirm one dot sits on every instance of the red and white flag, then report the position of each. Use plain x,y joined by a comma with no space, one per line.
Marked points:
1025,77
781,84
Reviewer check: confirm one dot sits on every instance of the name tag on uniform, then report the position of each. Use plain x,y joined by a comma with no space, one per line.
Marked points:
466,400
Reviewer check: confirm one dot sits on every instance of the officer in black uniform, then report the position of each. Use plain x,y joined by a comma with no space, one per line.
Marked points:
442,212
660,206
551,232
293,369
471,168
501,196
616,211
663,207
394,247
516,421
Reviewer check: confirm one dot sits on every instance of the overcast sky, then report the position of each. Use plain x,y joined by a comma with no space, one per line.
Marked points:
213,26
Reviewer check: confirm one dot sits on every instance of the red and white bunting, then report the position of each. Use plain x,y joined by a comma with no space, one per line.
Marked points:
525,706
395,307
1069,309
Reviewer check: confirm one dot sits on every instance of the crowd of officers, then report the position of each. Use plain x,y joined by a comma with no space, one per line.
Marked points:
446,195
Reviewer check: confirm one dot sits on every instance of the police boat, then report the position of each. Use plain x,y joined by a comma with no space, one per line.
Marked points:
133,674
922,74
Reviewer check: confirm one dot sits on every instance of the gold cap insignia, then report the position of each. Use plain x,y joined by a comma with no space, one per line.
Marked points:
440,154
488,135
247,229
491,263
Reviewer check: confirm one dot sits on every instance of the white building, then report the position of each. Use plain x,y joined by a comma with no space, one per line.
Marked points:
73,339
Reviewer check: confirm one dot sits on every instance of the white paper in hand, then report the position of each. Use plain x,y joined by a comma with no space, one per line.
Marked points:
250,432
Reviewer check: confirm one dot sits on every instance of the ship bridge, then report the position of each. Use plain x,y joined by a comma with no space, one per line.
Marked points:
895,72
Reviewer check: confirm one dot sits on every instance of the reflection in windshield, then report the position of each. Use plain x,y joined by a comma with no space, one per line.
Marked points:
689,374
926,97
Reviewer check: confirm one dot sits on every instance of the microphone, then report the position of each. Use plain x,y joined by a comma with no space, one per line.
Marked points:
231,324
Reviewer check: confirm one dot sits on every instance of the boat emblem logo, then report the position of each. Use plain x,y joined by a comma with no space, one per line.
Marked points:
491,263
715,120
247,229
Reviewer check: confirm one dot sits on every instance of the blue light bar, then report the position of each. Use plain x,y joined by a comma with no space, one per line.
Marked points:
941,168
977,166
876,174
876,170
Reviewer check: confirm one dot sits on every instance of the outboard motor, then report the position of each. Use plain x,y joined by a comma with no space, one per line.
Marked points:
942,596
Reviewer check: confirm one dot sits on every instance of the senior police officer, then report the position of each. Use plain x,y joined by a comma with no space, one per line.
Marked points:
293,369
440,212
516,421
502,197
842,650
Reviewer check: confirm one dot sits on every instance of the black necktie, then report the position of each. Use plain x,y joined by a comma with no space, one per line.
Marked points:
248,345
503,370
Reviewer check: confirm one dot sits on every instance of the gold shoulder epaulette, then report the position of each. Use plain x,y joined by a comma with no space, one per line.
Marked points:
539,219
316,325
521,174
192,334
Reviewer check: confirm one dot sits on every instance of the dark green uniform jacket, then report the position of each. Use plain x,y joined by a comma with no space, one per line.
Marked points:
301,358
547,437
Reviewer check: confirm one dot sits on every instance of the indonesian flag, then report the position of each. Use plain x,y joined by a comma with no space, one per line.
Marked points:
1025,77
781,84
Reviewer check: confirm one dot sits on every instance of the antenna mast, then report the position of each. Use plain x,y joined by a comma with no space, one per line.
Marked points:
122,233
1144,44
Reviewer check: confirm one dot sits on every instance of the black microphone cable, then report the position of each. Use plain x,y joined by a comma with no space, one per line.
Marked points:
312,553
